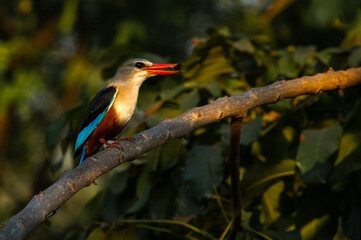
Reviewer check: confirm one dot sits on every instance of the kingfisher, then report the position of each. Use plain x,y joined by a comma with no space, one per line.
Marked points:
113,106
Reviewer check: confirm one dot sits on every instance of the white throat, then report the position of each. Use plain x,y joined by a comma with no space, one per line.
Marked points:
125,102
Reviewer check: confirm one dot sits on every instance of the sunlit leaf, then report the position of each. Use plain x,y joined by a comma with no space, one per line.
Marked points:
244,45
68,16
310,230
127,233
96,234
270,203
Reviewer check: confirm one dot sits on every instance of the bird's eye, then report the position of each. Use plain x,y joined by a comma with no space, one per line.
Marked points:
139,65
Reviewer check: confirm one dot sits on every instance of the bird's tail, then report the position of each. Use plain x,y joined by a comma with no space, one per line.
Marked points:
82,155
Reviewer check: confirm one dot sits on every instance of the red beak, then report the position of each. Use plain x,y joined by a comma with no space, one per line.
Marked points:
163,69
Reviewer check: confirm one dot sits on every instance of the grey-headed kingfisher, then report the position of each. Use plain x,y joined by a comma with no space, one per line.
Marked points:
113,106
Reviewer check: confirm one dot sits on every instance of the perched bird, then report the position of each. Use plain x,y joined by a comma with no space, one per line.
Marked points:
112,107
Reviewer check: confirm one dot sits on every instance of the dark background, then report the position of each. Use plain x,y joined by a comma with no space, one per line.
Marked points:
300,158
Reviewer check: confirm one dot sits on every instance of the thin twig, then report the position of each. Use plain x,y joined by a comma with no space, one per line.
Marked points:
233,166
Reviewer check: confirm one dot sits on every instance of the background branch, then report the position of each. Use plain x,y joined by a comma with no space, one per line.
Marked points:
233,165
72,181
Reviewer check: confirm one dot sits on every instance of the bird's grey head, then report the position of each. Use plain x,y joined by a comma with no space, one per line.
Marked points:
135,71
132,71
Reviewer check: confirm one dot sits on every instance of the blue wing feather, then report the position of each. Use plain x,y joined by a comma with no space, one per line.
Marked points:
85,132
82,155
97,110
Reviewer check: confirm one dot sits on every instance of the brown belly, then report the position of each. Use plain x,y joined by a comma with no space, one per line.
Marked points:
108,128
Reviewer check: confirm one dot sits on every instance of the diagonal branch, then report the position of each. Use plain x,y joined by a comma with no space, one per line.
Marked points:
72,181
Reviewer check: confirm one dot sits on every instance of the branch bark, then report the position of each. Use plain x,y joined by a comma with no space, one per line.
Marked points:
42,204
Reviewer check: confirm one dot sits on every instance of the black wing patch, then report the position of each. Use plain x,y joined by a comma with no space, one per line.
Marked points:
99,103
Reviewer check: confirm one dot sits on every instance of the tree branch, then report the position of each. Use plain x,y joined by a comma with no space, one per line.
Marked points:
42,204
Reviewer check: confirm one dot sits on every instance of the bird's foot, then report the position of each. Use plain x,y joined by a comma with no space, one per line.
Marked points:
107,145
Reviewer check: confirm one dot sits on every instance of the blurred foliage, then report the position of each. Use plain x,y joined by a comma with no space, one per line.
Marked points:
300,158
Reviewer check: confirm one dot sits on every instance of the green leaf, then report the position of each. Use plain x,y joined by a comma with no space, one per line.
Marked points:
314,151
302,54
213,87
148,98
287,65
170,154
204,168
143,180
140,202
92,209
354,60
161,203
186,205
170,93
190,100
118,182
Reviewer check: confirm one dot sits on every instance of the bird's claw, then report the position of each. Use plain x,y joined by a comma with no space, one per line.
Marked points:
127,139
107,145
